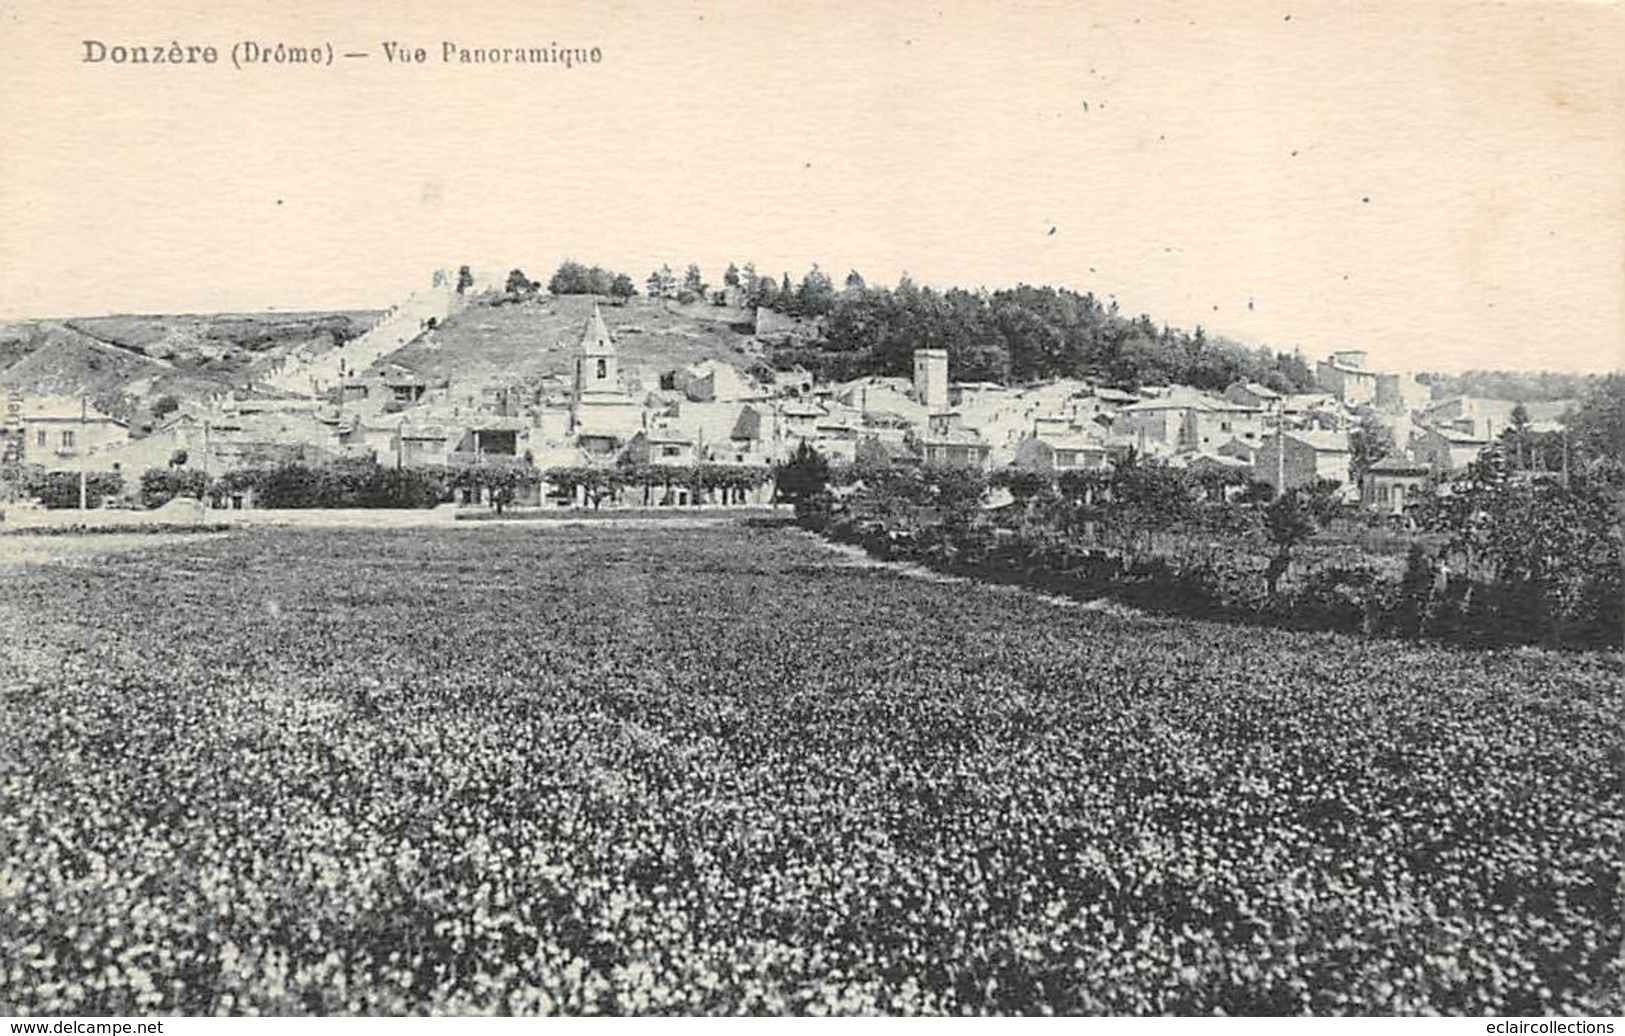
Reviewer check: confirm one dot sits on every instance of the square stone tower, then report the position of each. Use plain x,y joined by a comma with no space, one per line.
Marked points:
931,378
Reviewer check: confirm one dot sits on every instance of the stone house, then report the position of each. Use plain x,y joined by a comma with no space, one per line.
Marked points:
1254,396
59,432
949,443
1305,458
1446,448
1345,375
1054,454
1393,483
1208,426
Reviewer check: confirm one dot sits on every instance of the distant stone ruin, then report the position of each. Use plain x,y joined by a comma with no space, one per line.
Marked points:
305,373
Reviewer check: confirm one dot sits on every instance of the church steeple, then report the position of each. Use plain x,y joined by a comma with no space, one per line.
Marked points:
603,413
596,359
595,340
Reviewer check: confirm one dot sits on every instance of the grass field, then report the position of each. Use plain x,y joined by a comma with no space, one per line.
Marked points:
555,768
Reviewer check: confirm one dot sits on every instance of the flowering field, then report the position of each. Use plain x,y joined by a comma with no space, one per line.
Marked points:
714,770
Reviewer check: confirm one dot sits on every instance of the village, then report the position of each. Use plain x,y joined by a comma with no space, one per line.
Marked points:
681,510
356,403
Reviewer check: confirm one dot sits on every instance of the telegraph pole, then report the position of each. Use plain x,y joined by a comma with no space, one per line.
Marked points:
1565,456
84,495
1280,452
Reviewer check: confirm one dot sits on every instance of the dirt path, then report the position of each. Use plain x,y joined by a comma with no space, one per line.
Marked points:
16,551
857,557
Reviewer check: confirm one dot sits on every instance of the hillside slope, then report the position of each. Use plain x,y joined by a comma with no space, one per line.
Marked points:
526,341
56,359
126,363
194,337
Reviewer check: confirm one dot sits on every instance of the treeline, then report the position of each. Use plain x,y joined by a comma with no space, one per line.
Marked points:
1500,560
653,483
365,484
59,490
1525,386
1029,333
573,278
1018,334
362,484
1593,430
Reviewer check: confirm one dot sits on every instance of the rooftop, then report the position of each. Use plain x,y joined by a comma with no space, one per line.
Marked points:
1071,442
1323,442
1399,465
956,437
63,408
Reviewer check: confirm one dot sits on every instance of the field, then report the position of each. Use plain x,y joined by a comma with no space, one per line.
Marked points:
540,767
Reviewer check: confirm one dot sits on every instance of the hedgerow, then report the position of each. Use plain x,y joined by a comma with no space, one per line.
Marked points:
1534,563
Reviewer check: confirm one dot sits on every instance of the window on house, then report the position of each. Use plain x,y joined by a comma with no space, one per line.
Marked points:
671,451
39,437
603,369
67,440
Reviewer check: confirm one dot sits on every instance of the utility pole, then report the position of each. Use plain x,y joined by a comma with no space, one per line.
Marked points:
1280,453
84,494
1565,457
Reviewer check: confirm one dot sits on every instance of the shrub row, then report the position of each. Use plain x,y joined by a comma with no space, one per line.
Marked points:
1351,592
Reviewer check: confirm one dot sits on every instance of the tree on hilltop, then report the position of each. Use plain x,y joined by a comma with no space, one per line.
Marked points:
694,280
661,283
520,286
816,296
573,278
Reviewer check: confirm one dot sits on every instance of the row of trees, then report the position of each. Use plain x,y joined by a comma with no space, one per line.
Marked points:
656,481
371,485
573,278
1499,559
59,490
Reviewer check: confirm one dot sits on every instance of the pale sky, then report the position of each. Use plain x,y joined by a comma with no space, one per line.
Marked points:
1442,184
